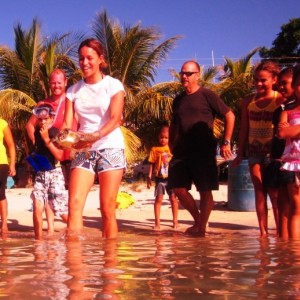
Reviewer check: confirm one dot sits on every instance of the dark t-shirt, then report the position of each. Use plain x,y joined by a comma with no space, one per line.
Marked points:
191,130
41,148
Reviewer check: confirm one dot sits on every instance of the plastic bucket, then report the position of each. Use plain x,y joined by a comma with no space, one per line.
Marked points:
240,193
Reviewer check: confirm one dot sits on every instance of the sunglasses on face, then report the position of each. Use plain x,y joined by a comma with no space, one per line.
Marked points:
187,74
43,112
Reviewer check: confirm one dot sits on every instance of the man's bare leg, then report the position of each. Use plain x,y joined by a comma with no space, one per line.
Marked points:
188,202
206,206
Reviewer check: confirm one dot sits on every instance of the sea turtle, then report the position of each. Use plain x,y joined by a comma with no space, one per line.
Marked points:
67,138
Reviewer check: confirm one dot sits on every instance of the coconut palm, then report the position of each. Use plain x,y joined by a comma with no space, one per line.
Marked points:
24,71
24,74
236,83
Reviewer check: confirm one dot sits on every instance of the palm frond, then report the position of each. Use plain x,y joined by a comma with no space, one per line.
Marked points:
15,107
132,144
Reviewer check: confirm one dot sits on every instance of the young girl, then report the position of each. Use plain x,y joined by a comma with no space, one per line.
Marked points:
276,177
159,158
257,132
289,129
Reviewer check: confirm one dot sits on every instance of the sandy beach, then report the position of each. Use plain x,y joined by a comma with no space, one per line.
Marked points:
139,216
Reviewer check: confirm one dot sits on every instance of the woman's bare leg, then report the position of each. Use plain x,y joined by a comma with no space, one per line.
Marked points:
109,186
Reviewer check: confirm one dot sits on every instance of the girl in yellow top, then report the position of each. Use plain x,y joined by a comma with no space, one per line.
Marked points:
6,168
159,158
257,132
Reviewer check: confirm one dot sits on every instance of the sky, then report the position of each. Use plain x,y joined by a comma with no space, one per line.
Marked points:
210,29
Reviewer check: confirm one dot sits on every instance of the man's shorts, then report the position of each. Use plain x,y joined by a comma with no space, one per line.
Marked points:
203,173
161,187
100,160
49,187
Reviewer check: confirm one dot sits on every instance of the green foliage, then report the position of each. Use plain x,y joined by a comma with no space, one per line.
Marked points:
286,46
134,54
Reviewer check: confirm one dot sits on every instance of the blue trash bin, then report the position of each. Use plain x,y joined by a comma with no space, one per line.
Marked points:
10,182
240,193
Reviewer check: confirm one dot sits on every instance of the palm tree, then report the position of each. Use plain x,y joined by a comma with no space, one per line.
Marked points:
24,74
236,83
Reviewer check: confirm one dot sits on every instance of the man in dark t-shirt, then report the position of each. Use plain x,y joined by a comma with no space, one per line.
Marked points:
193,145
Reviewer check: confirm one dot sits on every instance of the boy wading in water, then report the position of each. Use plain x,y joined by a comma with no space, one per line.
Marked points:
159,158
49,192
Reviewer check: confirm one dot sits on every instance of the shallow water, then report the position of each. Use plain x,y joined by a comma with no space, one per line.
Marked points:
140,266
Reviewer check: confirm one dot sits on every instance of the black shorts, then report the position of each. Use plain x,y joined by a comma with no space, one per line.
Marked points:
3,180
187,171
273,176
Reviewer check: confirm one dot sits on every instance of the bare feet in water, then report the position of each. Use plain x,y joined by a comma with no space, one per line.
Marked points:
156,228
194,230
176,226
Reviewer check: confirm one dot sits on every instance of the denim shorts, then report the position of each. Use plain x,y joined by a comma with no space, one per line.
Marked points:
100,160
161,187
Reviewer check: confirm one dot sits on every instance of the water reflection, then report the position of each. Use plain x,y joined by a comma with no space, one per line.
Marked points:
170,266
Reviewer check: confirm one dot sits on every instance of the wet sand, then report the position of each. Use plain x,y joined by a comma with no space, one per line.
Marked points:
139,217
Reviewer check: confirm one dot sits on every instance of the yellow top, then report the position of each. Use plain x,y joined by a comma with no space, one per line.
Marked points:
261,127
160,157
3,154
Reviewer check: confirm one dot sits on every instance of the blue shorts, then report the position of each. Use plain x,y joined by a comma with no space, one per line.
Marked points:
100,160
161,187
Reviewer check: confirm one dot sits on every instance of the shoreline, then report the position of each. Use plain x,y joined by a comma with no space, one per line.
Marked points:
140,215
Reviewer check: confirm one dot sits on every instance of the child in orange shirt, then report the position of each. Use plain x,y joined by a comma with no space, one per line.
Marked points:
159,158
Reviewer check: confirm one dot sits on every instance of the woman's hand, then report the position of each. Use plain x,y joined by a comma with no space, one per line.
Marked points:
12,170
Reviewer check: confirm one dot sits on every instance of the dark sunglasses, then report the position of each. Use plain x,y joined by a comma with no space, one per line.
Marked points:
187,74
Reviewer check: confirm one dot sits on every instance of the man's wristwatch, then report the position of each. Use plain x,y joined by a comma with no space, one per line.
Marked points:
226,142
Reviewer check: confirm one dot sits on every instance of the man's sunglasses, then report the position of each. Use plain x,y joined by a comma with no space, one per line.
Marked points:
187,74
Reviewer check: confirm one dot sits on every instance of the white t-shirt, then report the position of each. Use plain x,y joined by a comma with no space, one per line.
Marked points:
91,102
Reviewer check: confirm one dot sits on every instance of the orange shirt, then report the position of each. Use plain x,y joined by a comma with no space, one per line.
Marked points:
160,157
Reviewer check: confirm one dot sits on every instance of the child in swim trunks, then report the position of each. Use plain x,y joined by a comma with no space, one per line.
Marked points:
49,192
